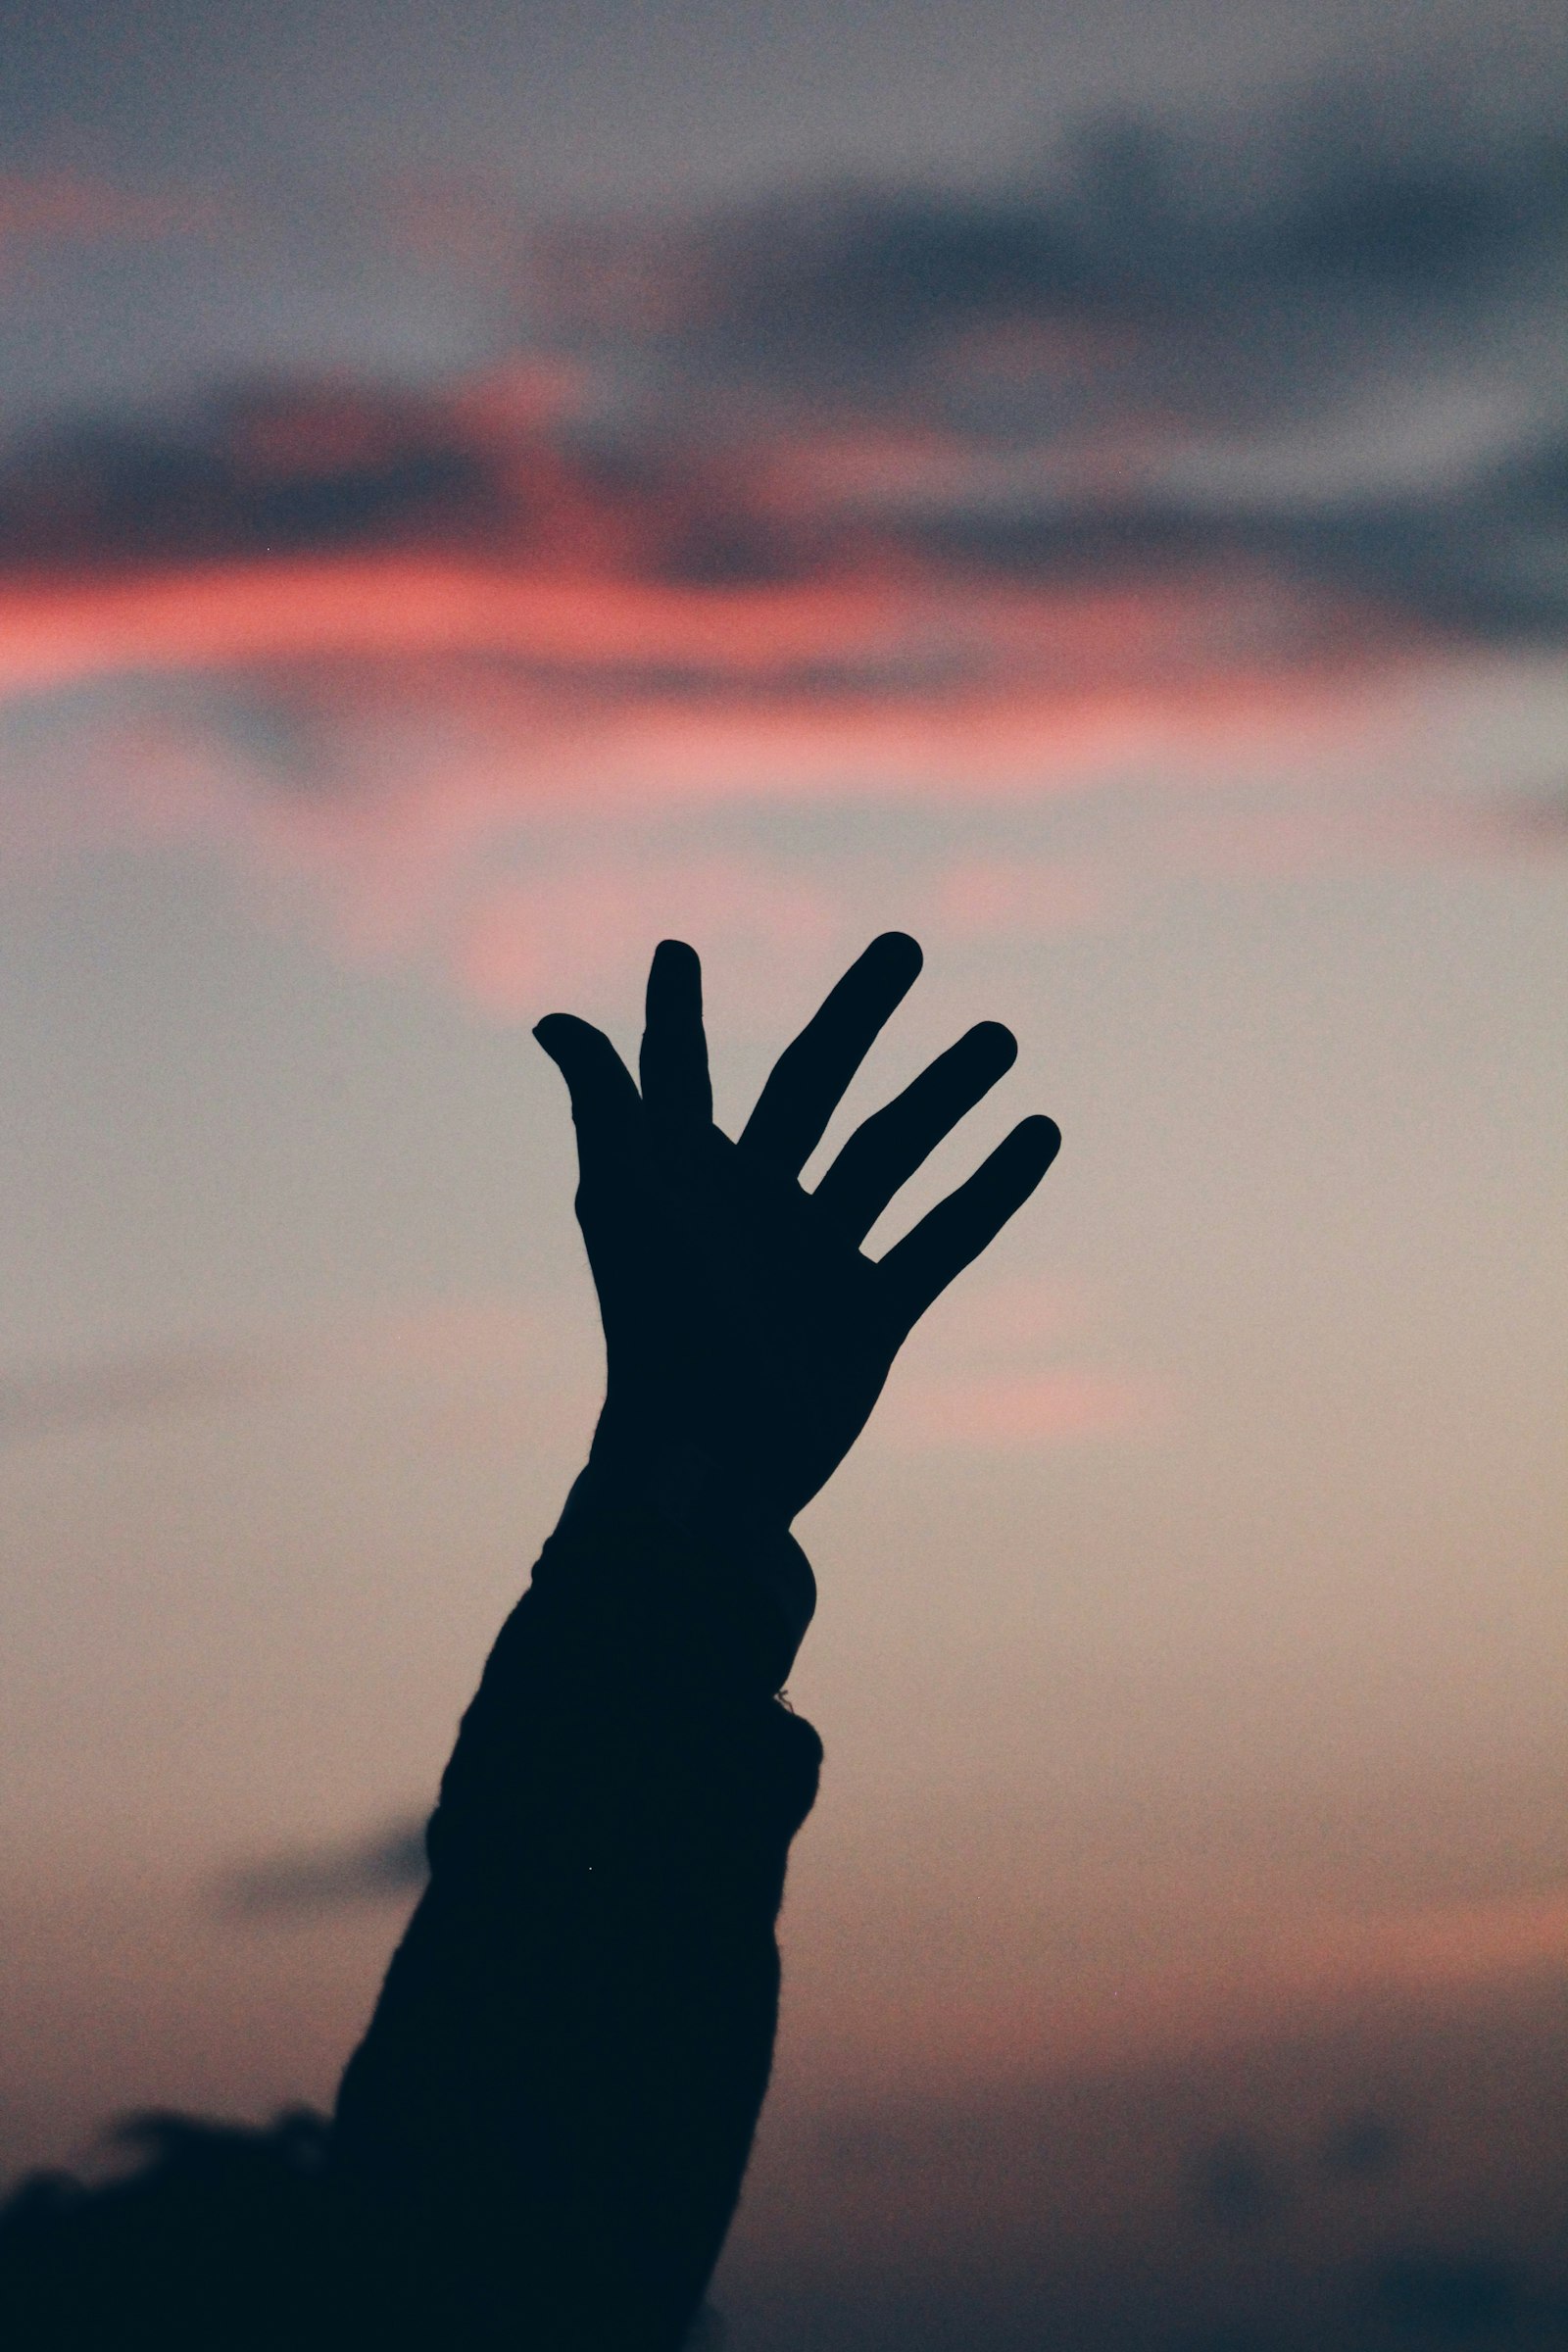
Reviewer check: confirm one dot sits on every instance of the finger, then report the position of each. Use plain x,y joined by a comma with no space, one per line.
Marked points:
885,1151
605,1106
810,1075
674,1058
921,1268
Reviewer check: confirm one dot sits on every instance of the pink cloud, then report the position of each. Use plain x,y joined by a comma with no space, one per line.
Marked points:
1448,1945
523,846
534,941
1022,1318
1000,1411
65,207
1000,898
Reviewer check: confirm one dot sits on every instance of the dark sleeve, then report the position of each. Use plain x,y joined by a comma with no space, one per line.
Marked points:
541,2139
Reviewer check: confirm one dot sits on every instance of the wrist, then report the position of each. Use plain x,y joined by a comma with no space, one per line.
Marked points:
681,1487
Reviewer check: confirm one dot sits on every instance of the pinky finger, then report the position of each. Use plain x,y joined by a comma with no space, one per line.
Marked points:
952,1235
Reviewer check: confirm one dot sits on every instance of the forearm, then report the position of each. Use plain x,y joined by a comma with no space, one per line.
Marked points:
553,2108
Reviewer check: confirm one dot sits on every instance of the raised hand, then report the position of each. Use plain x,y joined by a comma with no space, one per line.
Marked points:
743,1323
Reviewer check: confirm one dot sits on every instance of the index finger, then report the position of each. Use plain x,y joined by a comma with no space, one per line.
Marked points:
810,1077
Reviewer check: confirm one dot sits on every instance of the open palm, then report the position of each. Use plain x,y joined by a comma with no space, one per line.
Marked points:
743,1322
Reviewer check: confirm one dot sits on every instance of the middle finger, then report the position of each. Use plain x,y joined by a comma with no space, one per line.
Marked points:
884,1152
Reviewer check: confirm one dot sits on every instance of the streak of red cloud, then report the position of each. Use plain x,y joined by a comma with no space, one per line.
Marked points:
957,642
56,634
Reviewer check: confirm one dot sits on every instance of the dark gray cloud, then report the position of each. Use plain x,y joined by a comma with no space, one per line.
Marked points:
61,1399
1141,231
434,1340
261,469
1338,348
1487,558
320,1879
1259,270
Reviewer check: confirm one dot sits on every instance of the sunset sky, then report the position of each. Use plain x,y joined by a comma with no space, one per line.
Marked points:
482,489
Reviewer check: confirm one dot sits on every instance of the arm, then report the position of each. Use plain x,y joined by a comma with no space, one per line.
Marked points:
546,2127
557,2096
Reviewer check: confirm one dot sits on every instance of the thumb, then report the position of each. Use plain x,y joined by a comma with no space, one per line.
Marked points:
606,1106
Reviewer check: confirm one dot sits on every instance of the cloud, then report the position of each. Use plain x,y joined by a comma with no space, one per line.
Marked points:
998,1411
1008,1382
44,210
1329,356
319,1879
432,1342
1248,276
1169,457
1452,1944
561,935
61,1399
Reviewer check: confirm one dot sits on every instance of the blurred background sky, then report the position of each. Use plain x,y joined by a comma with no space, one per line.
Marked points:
484,488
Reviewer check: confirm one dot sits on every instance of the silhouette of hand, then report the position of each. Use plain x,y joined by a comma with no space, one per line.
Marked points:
743,1324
